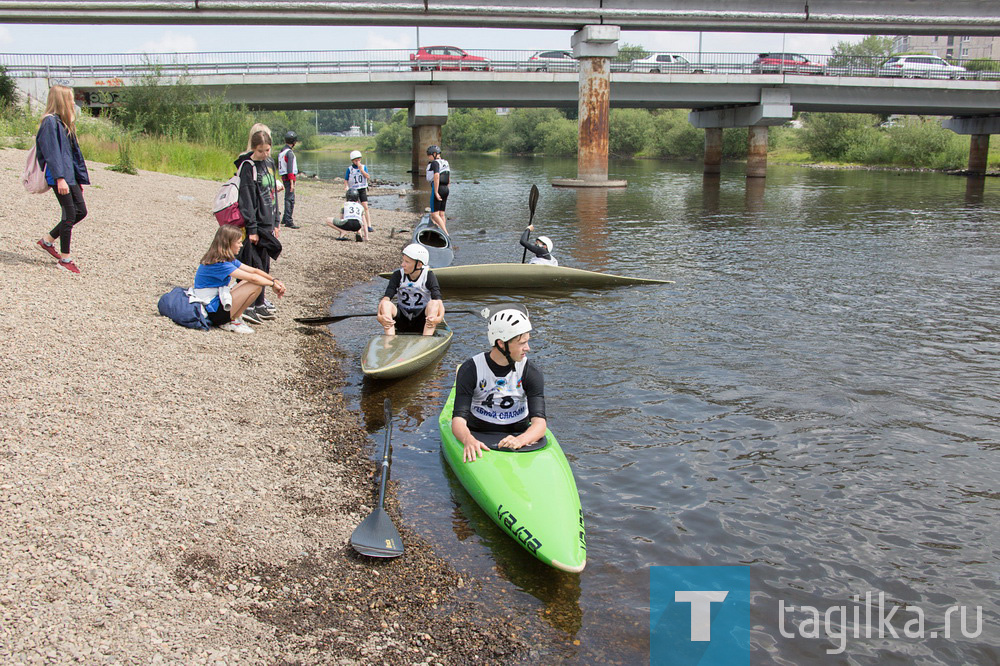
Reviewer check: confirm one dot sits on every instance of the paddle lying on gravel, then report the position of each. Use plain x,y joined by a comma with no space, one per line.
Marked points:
376,536
332,318
532,202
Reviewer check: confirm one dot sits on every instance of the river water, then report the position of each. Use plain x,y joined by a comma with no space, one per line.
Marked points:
815,397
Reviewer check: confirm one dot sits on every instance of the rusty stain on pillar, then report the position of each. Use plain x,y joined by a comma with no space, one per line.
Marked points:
423,136
757,152
595,105
713,150
979,148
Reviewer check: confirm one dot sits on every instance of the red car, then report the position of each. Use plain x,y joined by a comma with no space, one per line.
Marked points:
447,57
784,63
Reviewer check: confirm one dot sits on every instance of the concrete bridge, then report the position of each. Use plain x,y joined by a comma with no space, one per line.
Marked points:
722,93
914,17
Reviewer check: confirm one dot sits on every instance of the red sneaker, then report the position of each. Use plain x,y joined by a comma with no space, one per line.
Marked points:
69,266
51,249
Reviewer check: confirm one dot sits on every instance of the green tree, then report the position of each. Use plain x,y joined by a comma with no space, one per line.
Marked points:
475,130
871,51
629,131
395,136
8,89
629,52
521,133
830,136
559,137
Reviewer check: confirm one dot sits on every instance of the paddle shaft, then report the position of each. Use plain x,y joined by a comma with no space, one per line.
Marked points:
315,321
385,453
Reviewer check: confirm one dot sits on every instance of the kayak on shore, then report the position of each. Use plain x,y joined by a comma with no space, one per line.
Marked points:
400,355
529,493
528,276
437,242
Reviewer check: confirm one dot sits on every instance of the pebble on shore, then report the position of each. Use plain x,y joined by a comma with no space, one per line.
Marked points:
172,495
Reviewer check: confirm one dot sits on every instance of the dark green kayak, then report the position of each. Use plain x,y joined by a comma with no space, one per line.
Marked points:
394,356
528,276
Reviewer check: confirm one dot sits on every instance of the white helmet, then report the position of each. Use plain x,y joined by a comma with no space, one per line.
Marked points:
506,322
417,253
547,242
355,154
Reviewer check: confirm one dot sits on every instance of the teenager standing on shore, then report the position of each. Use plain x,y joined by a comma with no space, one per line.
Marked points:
65,171
288,169
356,178
258,207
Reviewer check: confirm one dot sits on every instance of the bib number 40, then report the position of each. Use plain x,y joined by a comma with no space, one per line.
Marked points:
506,402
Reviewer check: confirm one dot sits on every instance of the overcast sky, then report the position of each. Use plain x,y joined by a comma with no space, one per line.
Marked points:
162,38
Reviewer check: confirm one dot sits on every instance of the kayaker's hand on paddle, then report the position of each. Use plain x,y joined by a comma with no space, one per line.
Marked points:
510,442
474,450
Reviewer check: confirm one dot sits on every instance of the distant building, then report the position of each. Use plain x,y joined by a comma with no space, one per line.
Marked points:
354,131
955,47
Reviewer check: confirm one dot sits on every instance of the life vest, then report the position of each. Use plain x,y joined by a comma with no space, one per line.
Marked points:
357,179
284,168
551,261
499,400
354,211
413,295
444,169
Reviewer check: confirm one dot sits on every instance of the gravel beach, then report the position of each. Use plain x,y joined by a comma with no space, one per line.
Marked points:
179,496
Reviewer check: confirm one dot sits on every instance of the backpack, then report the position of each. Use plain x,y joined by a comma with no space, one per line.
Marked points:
226,205
33,177
176,306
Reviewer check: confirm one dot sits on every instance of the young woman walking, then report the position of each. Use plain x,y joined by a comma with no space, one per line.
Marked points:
65,171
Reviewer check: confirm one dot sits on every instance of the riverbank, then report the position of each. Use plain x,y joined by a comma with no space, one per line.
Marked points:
172,495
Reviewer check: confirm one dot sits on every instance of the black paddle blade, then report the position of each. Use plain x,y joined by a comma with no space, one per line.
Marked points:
532,201
376,536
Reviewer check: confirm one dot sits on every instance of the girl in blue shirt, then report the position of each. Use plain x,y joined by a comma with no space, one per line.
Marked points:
214,272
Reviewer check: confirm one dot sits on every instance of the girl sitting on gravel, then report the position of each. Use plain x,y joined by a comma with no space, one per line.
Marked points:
224,306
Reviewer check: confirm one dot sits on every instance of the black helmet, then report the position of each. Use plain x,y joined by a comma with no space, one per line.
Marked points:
291,137
433,150
352,195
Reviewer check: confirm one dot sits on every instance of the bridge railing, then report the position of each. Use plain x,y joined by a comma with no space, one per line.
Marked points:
277,63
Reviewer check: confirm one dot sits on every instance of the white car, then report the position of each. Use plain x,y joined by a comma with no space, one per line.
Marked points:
921,67
665,63
551,61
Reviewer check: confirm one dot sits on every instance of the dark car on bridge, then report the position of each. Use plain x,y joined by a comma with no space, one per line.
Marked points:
784,63
447,57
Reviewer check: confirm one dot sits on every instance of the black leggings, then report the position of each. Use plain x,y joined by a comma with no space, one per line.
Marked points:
74,209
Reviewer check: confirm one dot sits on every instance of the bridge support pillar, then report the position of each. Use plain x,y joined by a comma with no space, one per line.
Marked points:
979,129
757,151
713,150
594,46
979,148
428,113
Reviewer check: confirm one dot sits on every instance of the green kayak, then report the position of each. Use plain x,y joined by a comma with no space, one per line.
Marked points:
530,494
527,276
394,356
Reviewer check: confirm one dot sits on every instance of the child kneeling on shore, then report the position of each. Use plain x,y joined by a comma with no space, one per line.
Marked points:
352,217
224,306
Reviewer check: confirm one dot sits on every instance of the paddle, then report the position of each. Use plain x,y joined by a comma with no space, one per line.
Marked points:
376,536
532,202
315,321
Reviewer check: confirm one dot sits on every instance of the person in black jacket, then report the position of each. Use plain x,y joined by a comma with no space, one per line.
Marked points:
257,201
57,150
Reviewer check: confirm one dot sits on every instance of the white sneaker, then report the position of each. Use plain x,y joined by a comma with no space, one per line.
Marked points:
236,327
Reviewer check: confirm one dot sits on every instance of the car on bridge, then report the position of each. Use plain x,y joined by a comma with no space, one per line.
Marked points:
551,61
667,63
921,67
784,63
447,57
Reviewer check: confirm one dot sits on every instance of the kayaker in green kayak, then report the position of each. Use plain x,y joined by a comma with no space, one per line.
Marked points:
420,308
500,390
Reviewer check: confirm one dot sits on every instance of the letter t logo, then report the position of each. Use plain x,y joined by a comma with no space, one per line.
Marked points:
701,610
